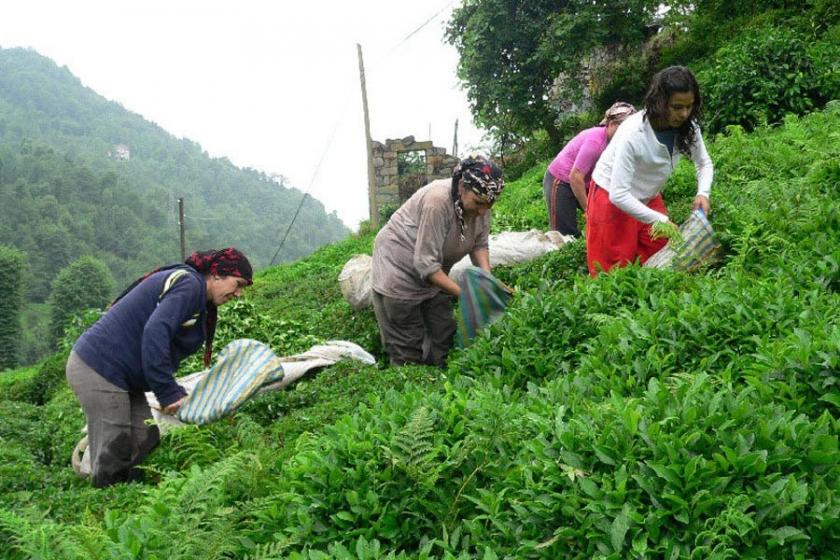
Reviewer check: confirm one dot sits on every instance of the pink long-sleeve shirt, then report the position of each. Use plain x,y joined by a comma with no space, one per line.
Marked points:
581,152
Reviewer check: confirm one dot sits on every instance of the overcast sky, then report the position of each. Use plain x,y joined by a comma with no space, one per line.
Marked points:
270,85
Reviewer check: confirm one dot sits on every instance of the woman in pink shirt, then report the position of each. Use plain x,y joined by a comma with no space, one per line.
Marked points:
567,177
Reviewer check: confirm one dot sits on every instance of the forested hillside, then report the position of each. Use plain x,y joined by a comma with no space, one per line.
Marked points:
56,175
63,196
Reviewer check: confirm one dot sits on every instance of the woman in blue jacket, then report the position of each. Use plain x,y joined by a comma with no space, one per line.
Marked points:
137,345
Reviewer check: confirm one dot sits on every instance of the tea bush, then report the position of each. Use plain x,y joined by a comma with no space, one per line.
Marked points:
766,74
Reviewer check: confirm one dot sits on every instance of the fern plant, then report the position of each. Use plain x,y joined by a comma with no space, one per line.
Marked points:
412,449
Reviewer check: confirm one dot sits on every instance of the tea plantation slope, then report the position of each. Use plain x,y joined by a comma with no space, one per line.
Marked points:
643,414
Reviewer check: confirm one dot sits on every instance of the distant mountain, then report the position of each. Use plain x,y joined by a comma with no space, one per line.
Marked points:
81,175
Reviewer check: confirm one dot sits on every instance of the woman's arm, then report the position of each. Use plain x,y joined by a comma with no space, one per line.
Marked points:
181,303
577,180
481,258
585,161
445,283
705,173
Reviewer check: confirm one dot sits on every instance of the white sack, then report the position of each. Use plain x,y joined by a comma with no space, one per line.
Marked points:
354,281
514,247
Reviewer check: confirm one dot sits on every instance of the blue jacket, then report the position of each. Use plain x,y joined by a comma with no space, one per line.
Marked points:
139,343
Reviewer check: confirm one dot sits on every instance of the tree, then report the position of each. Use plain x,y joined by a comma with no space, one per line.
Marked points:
86,283
512,52
12,270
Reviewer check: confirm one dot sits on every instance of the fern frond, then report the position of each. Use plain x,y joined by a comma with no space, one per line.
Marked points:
412,449
268,551
37,539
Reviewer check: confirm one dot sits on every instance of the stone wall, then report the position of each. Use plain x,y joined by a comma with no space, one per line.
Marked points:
392,189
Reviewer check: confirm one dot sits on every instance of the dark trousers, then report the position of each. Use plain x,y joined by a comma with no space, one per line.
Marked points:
118,436
415,331
562,205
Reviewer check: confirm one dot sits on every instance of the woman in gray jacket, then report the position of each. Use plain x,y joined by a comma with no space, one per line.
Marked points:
413,253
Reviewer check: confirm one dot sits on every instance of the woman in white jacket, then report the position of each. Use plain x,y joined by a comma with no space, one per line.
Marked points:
624,197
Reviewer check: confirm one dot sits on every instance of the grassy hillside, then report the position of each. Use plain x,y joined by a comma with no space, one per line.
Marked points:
643,414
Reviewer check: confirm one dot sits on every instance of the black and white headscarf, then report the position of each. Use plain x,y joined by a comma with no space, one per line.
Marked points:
482,177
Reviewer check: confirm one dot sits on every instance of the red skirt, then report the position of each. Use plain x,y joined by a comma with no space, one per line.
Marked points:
614,237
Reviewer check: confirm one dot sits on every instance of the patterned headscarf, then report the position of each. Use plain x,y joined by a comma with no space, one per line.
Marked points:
224,262
618,111
482,177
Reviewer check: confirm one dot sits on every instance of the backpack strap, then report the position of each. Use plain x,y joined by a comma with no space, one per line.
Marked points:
170,281
173,277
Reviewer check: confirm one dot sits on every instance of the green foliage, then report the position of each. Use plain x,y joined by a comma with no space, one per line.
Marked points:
37,384
510,53
522,205
12,268
35,328
409,163
386,211
667,230
624,79
84,284
760,77
307,294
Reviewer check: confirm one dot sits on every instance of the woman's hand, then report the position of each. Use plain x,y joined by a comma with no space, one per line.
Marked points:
445,283
172,408
701,202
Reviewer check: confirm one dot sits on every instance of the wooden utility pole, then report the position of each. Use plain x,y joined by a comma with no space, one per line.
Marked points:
455,140
374,211
181,227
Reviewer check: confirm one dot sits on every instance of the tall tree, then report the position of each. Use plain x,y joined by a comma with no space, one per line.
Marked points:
86,283
12,268
512,51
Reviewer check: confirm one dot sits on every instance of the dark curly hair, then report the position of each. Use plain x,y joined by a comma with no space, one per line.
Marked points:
675,79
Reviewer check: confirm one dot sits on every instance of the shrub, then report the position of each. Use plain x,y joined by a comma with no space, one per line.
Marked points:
85,283
759,78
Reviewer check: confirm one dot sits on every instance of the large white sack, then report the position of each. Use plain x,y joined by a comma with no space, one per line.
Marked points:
354,281
514,247
506,248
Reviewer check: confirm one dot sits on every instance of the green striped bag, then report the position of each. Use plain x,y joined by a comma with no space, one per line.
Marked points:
483,300
698,246
243,366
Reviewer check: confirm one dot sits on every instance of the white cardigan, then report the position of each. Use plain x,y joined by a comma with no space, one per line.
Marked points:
635,166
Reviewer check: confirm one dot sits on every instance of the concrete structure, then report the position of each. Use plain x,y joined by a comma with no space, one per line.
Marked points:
392,187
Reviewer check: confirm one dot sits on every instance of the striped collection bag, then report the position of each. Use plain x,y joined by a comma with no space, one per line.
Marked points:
697,247
241,369
483,300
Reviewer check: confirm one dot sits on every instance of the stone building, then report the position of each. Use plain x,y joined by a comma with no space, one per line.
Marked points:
403,166
120,151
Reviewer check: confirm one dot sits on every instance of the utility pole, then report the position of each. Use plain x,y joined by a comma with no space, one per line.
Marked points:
455,140
374,211
181,227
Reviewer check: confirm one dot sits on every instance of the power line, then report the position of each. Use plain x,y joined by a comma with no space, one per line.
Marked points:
288,229
422,25
335,127
315,173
